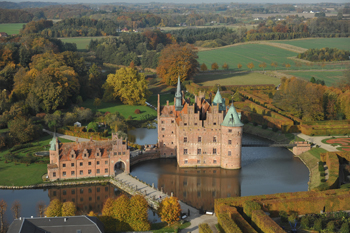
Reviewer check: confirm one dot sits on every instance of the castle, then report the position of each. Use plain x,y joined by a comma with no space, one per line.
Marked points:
88,159
205,134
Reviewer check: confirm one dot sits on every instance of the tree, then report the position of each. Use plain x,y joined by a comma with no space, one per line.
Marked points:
298,64
54,209
225,66
262,65
176,60
121,212
107,209
97,102
274,64
128,85
287,65
169,210
132,64
41,208
239,66
92,126
3,207
214,66
22,130
138,219
16,208
313,80
204,67
250,65
68,209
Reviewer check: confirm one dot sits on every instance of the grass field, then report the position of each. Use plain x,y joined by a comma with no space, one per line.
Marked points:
239,78
20,174
82,42
319,43
11,28
246,53
330,77
125,110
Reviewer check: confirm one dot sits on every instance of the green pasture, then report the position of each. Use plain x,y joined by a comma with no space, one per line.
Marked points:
21,174
124,110
319,43
246,53
11,28
330,77
82,42
235,78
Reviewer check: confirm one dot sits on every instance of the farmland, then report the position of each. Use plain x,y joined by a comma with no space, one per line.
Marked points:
239,78
330,77
319,43
82,42
11,28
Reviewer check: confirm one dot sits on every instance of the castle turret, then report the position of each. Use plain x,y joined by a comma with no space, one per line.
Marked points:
178,96
232,130
54,150
219,101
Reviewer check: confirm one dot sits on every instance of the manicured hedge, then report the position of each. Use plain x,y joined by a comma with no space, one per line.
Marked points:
241,222
79,132
264,223
228,224
204,228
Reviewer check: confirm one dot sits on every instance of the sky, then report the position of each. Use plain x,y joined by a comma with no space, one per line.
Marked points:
188,1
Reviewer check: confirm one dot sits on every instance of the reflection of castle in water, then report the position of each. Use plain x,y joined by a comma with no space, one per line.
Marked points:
199,187
86,198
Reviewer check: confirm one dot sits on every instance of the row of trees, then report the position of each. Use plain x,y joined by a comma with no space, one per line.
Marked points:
250,65
325,54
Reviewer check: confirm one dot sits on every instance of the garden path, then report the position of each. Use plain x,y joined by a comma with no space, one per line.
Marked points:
72,138
318,141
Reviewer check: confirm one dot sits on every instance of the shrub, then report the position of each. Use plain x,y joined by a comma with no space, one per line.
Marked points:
245,121
274,129
318,224
344,228
204,228
305,223
137,111
320,166
249,206
292,217
92,126
255,124
284,216
264,126
330,226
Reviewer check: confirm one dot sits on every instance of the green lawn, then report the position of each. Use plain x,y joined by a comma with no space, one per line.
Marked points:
11,28
245,78
20,174
125,110
319,43
82,42
330,77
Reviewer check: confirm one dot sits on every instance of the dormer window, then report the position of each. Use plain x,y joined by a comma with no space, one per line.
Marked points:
72,154
85,153
98,152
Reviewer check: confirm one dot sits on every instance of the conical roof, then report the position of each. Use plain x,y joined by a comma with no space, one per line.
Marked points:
232,118
217,99
178,88
53,142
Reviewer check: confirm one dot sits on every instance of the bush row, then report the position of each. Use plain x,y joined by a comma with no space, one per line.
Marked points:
264,223
77,133
227,223
204,228
241,222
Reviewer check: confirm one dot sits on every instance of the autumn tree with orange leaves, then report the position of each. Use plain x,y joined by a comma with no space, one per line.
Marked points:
169,210
177,60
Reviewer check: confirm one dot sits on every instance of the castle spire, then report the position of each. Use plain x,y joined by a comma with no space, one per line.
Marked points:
178,96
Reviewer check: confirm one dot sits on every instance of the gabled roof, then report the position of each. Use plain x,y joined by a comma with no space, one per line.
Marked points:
70,224
232,118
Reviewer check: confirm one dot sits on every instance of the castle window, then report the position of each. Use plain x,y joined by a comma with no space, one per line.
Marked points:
98,162
73,199
185,123
54,192
229,142
81,172
214,123
64,192
162,122
72,164
214,151
63,165
81,164
230,130
89,172
186,161
163,136
204,163
81,190
199,139
73,191
195,123
185,151
106,170
163,129
119,153
64,173
97,154
214,161
54,174
198,194
98,198
106,189
198,161
106,162
172,121
185,183
199,151
115,153
123,153
90,190
72,173
229,153
98,171
185,139
214,139
172,132
172,142
98,190
89,163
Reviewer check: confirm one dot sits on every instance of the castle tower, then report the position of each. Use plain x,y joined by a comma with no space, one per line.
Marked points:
231,140
54,158
178,96
219,101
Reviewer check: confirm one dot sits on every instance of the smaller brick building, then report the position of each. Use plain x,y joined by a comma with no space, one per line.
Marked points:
88,159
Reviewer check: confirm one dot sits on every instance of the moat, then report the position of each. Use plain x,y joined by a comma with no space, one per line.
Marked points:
264,171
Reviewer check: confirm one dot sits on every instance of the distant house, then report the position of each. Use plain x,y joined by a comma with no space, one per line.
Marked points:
125,30
77,124
3,34
76,224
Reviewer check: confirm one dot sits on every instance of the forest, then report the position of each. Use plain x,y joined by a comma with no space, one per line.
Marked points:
325,54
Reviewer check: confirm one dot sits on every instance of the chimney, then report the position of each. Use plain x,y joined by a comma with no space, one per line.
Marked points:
167,103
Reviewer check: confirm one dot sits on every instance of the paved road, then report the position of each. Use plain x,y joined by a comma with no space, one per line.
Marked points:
318,141
195,218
